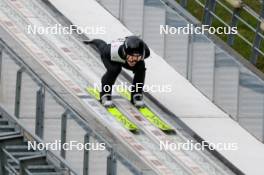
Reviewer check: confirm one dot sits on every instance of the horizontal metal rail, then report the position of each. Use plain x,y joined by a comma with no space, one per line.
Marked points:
210,13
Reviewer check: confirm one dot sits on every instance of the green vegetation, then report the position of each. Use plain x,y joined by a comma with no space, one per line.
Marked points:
239,45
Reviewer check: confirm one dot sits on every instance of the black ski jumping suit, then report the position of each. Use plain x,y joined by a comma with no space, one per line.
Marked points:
114,65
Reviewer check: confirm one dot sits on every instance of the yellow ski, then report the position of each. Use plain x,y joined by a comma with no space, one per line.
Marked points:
114,111
148,114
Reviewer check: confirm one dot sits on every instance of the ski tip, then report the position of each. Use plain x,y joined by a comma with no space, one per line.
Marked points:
123,119
132,128
165,128
134,131
155,120
169,131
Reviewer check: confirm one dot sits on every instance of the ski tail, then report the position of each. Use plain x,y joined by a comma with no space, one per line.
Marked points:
94,92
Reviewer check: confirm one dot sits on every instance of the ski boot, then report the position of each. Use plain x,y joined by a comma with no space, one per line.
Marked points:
106,100
137,100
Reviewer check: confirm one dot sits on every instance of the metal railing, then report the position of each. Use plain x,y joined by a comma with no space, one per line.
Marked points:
113,156
235,8
30,136
249,80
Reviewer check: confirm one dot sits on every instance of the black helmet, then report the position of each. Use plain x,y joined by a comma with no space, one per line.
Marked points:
134,45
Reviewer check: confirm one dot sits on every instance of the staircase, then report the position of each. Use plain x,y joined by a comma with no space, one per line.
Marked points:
16,158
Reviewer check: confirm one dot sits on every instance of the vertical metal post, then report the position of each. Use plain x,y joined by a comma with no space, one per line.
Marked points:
256,45
238,98
183,3
2,159
262,16
18,91
190,58
1,62
234,21
86,155
111,164
121,10
40,107
63,132
262,126
3,162
257,40
208,9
